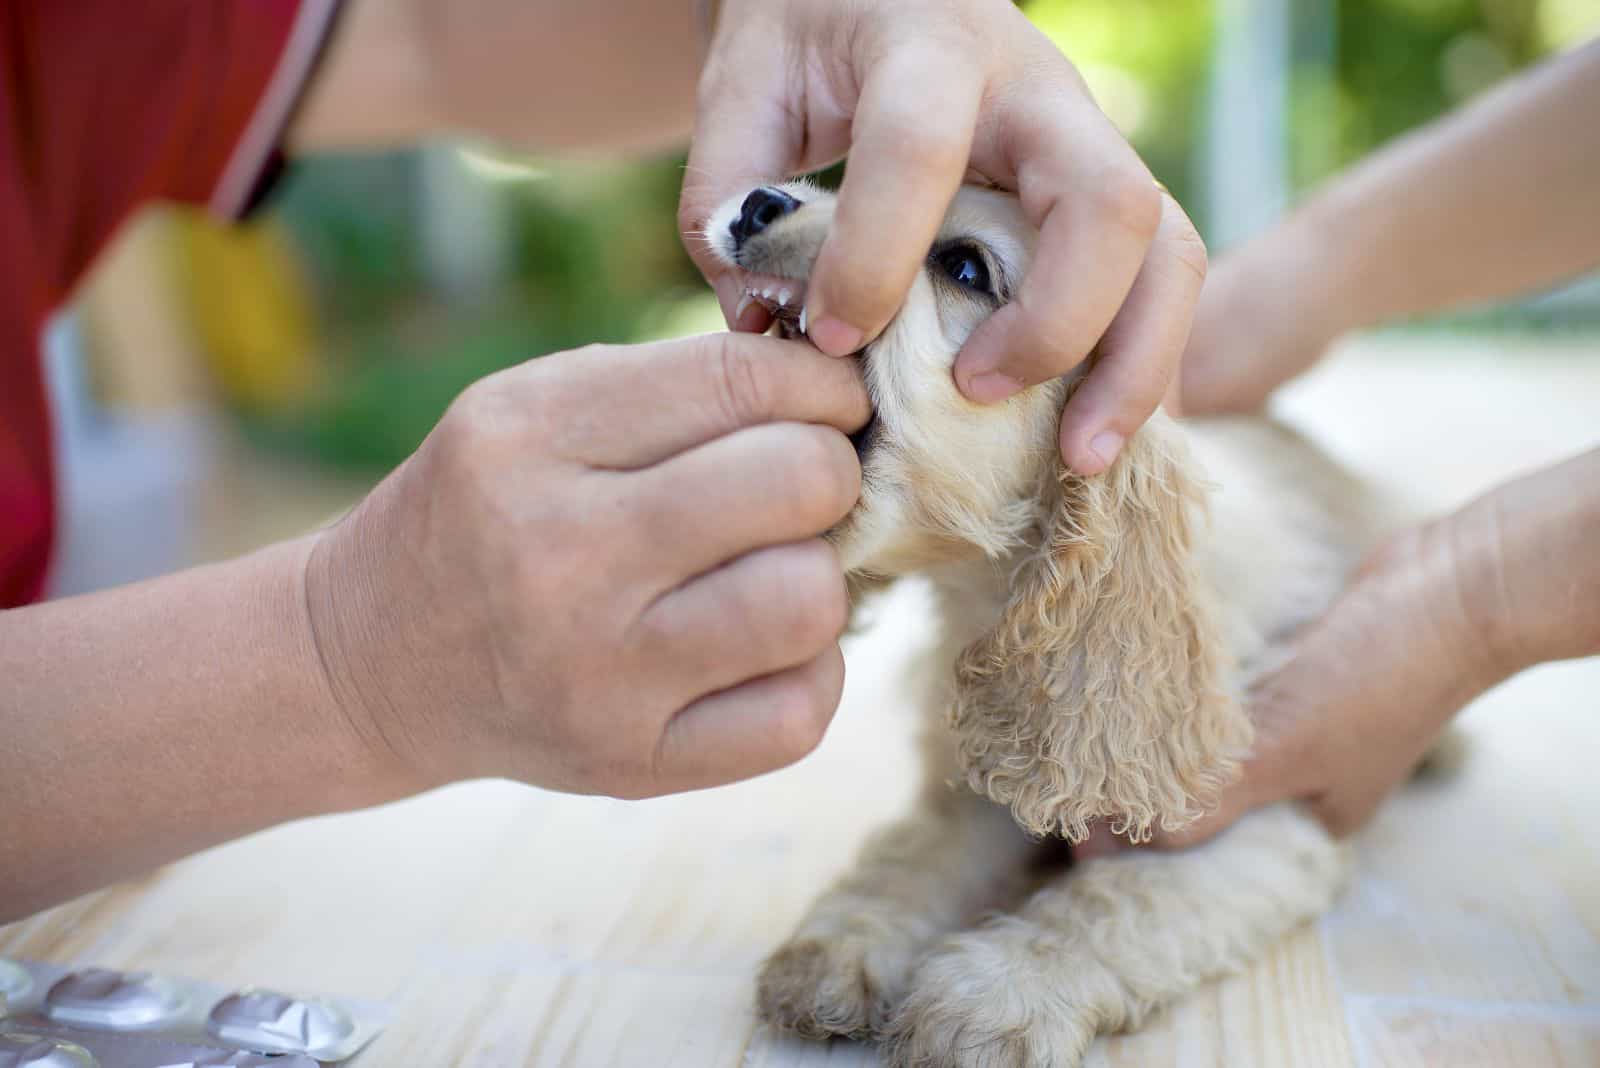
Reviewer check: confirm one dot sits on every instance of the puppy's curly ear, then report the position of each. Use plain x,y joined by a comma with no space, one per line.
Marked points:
1100,693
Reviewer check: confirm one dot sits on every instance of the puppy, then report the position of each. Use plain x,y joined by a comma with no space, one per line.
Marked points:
1096,636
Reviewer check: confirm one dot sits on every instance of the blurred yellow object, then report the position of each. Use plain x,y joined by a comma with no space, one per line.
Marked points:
143,351
252,313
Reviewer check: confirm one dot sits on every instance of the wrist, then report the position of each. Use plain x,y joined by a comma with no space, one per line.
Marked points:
1434,577
349,633
1468,573
1530,577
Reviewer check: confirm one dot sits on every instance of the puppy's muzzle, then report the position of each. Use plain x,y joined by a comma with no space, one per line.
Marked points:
763,207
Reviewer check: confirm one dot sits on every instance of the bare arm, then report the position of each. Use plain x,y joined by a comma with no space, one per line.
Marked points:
147,722
551,75
631,605
1496,200
1439,615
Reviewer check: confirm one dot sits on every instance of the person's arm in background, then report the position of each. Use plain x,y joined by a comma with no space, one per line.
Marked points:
1438,616
1497,199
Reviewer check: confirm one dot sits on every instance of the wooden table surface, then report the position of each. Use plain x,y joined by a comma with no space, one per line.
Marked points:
514,927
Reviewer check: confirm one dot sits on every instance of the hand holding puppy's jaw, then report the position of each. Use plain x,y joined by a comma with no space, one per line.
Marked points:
602,572
920,94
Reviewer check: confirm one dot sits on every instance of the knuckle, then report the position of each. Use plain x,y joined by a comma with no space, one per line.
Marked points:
1188,250
1128,198
801,716
923,147
743,393
1044,342
796,607
475,408
819,602
718,84
824,477
474,429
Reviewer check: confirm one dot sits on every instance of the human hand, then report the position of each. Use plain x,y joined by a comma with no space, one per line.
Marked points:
601,572
1361,696
922,93
1435,617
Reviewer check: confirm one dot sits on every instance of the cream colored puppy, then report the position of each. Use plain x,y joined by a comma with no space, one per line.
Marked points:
1096,637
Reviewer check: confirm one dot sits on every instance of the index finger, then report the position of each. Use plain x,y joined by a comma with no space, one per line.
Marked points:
1097,209
631,406
910,142
1139,354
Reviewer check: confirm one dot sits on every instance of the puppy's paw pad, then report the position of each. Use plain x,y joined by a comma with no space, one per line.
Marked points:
821,989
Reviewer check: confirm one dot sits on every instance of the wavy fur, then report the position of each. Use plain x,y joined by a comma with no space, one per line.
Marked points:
1100,692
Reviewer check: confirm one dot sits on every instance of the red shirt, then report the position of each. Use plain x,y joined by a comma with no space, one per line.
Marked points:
106,104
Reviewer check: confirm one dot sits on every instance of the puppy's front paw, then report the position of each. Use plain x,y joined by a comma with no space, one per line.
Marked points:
848,986
981,1001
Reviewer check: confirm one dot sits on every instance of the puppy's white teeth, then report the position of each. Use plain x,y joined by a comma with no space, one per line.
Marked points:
784,295
802,321
767,293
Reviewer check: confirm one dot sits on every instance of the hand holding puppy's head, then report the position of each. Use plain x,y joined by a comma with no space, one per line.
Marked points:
1099,691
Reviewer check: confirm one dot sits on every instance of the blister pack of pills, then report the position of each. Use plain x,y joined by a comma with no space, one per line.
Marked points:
56,1017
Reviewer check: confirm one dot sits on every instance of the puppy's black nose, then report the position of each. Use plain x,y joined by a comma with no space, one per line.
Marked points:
760,210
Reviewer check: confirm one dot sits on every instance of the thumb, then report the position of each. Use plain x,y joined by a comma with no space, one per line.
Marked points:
1235,801
1103,842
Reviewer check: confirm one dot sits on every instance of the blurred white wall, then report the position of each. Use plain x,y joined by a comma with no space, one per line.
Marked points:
127,482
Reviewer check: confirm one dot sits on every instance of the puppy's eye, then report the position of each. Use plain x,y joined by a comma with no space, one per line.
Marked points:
965,266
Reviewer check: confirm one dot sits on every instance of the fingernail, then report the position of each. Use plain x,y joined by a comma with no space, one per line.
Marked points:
834,337
1106,445
992,387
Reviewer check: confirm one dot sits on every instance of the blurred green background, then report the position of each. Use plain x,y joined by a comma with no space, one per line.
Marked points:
555,255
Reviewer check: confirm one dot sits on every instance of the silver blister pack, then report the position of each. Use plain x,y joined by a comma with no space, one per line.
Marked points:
120,1019
101,1049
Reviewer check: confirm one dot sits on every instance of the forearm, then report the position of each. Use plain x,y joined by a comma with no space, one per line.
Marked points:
148,722
1494,201
549,75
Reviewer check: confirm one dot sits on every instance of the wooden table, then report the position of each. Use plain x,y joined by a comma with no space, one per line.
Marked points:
515,927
